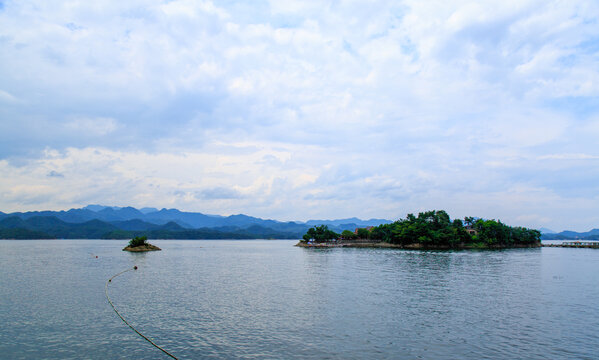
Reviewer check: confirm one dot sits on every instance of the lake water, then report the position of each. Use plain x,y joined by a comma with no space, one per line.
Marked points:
271,300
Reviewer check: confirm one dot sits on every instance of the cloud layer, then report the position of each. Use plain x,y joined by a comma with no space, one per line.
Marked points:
299,109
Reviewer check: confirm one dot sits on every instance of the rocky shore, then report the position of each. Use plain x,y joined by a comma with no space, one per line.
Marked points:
415,246
146,247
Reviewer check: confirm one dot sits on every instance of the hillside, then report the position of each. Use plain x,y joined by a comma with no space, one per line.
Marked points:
572,235
97,221
50,227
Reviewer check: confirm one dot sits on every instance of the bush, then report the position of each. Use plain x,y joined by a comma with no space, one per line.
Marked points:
363,233
320,234
138,241
348,235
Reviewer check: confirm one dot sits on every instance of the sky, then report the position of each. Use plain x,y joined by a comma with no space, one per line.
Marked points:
297,110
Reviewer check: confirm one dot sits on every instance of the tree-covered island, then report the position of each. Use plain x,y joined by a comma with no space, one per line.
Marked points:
429,230
140,244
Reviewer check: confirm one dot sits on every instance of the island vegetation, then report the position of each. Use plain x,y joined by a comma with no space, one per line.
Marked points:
320,234
429,230
139,243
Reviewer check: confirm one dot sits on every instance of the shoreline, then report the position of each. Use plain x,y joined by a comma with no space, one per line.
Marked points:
146,247
415,246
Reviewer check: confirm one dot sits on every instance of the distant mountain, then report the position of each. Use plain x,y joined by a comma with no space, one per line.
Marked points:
126,213
172,226
355,221
186,219
572,235
49,227
73,215
347,222
148,210
547,231
101,221
23,234
13,222
135,224
204,233
95,208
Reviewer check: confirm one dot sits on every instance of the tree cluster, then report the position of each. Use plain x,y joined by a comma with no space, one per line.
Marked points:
435,228
320,233
138,241
493,232
348,235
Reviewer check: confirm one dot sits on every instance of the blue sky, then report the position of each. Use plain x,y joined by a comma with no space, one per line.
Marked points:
295,110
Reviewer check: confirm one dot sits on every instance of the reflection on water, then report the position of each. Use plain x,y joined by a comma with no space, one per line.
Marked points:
268,299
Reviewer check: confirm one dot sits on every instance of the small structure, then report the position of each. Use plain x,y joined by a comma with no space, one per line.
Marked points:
369,228
470,229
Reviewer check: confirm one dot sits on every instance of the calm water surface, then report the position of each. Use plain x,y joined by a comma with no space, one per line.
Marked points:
271,300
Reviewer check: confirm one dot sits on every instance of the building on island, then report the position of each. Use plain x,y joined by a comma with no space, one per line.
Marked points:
369,228
471,230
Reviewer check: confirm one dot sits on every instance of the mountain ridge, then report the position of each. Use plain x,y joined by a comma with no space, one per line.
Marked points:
98,221
592,234
189,220
127,219
50,227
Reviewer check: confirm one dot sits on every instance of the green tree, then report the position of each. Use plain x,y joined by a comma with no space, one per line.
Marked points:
460,235
320,234
435,228
138,241
348,235
382,232
363,233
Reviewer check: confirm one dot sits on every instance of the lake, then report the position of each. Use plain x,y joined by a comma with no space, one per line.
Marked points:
270,300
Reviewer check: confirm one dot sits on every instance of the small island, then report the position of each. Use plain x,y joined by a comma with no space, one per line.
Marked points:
139,244
430,230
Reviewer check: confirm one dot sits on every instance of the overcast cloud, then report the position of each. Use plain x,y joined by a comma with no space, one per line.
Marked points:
303,109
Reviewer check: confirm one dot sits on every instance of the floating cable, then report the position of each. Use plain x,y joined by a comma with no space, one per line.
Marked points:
125,321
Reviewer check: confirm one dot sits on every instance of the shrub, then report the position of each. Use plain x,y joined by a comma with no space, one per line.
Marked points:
348,235
320,234
138,241
363,233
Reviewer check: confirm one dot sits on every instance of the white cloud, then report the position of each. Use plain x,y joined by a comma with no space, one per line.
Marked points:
189,8
569,157
7,97
92,127
304,109
241,86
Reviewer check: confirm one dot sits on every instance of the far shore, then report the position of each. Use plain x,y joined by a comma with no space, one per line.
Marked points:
414,246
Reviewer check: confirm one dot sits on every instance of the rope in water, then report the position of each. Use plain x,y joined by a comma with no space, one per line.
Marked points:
125,321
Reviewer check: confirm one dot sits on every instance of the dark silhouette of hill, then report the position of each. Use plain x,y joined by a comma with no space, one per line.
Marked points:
50,227
23,234
97,221
572,235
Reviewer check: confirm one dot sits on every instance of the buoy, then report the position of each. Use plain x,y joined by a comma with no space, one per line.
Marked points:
96,256
135,267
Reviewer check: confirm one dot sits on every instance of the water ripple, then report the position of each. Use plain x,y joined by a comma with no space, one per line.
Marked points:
270,300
